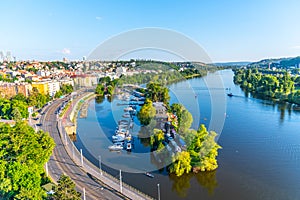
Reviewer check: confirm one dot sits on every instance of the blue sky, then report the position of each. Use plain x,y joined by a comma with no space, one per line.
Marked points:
231,30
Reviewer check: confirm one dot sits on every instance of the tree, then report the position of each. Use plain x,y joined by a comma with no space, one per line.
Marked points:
58,94
184,117
203,150
181,163
110,90
99,90
65,190
66,89
16,115
147,112
23,153
185,122
156,92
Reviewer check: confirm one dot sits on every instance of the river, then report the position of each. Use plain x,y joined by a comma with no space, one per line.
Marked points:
260,139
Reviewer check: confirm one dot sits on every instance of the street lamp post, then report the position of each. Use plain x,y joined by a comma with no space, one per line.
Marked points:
121,188
100,165
81,157
83,193
158,192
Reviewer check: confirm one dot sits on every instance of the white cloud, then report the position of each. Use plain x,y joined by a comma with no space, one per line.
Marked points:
66,51
98,18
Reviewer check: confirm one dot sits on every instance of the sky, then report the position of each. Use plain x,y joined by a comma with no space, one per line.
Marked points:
228,30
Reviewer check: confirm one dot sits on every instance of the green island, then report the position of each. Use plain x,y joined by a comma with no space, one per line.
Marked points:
280,86
198,149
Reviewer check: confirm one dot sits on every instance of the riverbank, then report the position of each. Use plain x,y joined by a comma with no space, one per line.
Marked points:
276,87
93,171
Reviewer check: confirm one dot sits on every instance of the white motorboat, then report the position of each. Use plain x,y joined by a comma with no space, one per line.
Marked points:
126,115
128,109
116,147
149,175
118,138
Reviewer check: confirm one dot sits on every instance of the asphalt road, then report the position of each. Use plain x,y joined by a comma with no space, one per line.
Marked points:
61,163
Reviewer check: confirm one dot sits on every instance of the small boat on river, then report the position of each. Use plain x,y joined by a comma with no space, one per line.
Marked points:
230,94
116,147
149,175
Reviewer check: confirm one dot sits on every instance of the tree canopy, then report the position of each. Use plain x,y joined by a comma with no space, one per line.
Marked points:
280,86
23,153
147,112
157,93
65,190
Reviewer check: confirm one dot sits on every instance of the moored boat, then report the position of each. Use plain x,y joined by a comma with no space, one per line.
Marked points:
149,175
116,147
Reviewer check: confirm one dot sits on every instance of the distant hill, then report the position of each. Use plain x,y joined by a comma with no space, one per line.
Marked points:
225,64
293,62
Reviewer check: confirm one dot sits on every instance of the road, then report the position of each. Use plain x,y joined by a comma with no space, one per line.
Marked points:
61,163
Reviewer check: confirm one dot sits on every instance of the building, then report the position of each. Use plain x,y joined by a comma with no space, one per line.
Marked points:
43,73
66,82
42,87
24,88
85,80
53,87
8,90
161,110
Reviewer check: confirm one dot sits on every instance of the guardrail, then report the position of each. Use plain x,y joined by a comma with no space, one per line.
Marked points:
87,166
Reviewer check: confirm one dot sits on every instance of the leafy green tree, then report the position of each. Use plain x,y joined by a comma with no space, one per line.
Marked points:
147,112
22,106
181,163
185,121
16,115
23,153
99,90
156,92
110,90
156,139
184,118
5,108
66,89
203,150
58,94
65,190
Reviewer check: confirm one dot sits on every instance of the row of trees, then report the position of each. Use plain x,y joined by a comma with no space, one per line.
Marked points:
162,78
23,154
279,86
17,107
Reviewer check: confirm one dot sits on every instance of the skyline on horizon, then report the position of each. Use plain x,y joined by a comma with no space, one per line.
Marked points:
228,31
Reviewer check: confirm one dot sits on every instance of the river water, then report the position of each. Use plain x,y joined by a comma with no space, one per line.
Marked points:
260,139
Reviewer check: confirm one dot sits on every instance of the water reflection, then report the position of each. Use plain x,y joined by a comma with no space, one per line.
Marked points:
182,184
208,180
99,99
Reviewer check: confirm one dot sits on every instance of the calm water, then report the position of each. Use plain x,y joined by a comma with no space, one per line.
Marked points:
260,158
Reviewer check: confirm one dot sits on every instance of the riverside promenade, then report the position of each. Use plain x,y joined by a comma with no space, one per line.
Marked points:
92,182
